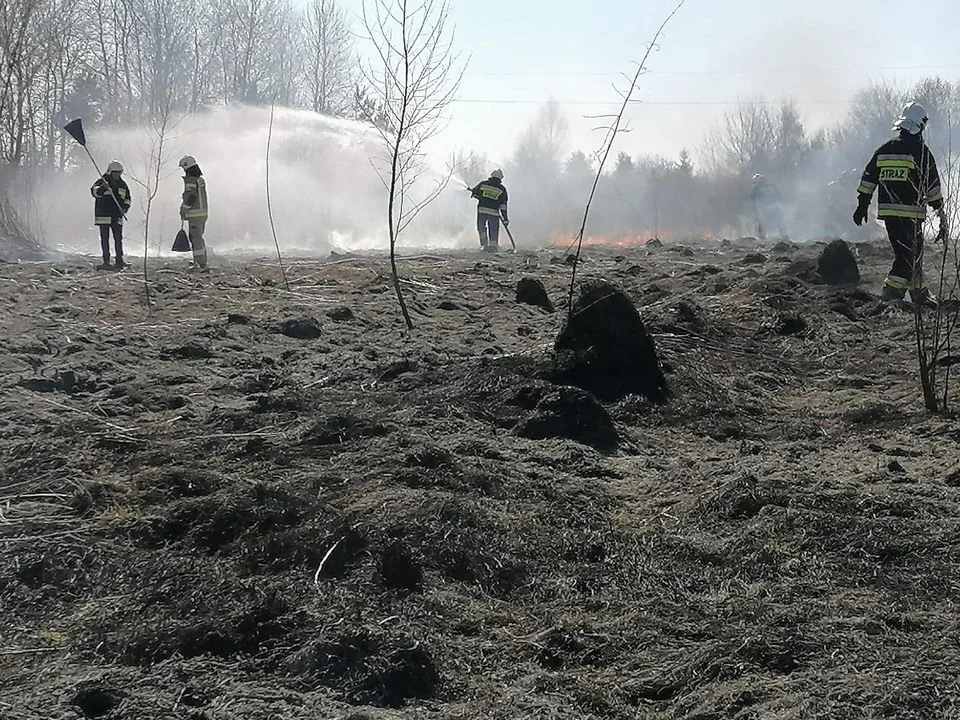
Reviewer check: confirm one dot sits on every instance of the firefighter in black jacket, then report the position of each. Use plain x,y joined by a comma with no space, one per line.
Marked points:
111,205
491,207
906,174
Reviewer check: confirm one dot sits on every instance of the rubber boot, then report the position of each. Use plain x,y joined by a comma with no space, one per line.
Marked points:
924,298
892,294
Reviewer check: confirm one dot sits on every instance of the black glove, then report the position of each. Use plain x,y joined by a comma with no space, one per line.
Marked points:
506,222
860,214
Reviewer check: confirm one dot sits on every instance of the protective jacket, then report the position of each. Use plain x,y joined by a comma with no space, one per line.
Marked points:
105,209
764,193
492,198
194,205
906,174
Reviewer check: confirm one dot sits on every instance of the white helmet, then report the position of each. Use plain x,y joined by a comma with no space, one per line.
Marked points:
498,174
913,119
188,161
114,167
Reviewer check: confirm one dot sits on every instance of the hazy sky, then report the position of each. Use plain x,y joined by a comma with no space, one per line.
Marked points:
817,52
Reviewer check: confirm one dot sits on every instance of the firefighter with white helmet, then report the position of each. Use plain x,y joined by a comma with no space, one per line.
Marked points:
904,173
193,208
767,206
111,202
491,196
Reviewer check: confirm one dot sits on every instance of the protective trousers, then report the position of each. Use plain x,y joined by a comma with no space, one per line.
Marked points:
769,218
906,238
117,241
197,226
489,228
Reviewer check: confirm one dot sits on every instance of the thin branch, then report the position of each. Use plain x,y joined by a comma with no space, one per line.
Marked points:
273,227
608,146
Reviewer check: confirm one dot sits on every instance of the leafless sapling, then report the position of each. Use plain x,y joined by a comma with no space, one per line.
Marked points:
935,329
156,161
273,227
413,76
613,130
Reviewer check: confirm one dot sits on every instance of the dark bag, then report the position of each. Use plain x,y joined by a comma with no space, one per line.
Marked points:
182,242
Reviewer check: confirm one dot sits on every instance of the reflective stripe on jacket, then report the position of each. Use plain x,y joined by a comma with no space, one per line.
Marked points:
105,208
194,198
492,198
905,175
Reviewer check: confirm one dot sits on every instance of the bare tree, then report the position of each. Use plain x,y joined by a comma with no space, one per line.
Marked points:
612,132
156,163
541,146
328,59
255,38
743,141
414,77
936,333
467,165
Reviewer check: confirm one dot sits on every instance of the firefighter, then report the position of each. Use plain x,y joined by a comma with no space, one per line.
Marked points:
491,208
765,199
904,170
193,208
112,200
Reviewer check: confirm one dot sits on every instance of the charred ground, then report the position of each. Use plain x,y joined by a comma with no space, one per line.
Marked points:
252,503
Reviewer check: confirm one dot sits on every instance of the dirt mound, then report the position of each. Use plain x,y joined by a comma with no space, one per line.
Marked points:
306,328
569,412
604,347
804,269
340,314
837,264
754,259
370,669
399,569
532,292
94,700
790,324
64,381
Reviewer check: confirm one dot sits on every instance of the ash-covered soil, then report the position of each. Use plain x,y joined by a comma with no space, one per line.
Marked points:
258,503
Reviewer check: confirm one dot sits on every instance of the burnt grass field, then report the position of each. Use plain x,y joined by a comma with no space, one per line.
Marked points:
266,504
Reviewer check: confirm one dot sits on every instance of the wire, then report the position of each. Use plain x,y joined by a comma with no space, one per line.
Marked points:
618,103
877,68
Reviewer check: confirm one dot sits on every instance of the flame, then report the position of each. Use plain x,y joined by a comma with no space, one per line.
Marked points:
632,240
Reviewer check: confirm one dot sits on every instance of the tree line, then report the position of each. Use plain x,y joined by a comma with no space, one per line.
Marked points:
705,190
130,62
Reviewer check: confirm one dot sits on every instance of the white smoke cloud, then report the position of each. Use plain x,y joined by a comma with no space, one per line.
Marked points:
325,191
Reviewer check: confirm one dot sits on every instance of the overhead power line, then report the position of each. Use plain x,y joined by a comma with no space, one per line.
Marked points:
754,71
542,101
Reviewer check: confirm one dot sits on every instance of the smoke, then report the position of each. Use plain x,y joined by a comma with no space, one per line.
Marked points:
325,191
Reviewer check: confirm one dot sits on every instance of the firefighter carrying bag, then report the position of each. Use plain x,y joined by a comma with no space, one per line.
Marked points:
182,242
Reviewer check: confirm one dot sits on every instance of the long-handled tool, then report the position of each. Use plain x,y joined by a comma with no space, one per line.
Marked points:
510,235
75,129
